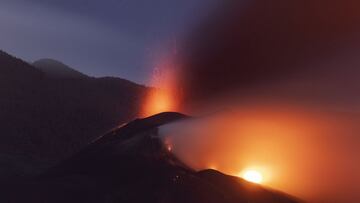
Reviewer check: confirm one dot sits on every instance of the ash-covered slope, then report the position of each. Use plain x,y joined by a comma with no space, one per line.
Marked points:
131,164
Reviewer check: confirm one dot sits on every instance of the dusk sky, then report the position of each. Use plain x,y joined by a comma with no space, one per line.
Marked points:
98,38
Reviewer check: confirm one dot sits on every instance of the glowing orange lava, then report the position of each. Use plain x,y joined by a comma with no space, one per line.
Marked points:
164,96
158,100
253,176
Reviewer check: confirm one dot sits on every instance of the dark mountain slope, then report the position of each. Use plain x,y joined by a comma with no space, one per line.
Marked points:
16,76
14,68
43,119
131,164
57,69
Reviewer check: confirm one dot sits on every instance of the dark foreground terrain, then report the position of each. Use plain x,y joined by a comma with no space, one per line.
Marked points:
131,164
49,111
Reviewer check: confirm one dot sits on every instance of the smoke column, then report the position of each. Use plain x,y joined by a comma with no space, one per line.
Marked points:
311,45
285,74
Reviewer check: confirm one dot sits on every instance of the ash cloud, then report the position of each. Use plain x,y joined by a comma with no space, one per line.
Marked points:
309,45
292,66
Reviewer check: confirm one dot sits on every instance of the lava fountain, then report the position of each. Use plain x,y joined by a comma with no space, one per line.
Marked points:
164,94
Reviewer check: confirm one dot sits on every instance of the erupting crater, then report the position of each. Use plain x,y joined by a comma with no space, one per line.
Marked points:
253,176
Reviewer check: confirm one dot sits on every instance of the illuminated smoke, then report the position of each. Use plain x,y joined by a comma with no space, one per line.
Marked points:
288,70
296,150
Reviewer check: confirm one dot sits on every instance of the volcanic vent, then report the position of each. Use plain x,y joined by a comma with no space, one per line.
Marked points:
132,164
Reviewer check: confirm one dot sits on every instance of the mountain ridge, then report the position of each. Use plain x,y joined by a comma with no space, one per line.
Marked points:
11,67
47,119
56,69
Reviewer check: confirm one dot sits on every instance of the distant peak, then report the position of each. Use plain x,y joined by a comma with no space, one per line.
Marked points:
57,69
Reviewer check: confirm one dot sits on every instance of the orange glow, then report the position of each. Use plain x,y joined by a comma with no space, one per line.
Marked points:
164,96
252,176
158,100
286,148
168,145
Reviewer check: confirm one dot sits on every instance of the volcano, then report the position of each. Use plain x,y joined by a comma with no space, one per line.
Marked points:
56,69
132,164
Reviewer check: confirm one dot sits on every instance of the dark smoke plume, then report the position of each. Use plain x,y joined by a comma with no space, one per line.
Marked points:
258,42
289,68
